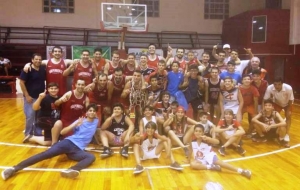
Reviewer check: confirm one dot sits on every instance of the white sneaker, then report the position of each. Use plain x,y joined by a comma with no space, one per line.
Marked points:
287,138
70,173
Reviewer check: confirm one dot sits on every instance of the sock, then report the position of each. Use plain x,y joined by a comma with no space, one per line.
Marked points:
239,170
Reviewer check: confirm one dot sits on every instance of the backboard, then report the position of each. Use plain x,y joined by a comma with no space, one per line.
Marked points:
116,16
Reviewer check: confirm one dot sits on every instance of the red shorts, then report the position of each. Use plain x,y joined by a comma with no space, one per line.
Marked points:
279,108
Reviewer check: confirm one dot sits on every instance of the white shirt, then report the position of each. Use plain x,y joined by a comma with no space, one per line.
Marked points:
240,68
4,61
282,97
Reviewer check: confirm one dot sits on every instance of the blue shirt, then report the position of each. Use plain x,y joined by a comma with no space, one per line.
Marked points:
34,81
84,133
236,76
174,80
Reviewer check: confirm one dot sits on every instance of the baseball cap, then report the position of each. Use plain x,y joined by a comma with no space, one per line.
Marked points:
226,46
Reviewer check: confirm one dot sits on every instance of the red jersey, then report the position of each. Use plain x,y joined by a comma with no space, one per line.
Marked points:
118,87
72,109
182,64
111,68
223,124
100,65
127,71
153,63
99,96
84,73
55,74
249,94
261,89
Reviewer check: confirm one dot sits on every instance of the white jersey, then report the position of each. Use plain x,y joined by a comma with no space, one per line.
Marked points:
148,146
207,126
230,99
203,152
145,121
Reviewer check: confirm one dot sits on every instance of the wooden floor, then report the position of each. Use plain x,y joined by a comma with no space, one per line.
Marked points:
272,167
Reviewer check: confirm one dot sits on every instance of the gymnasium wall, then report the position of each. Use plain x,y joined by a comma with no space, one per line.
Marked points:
175,15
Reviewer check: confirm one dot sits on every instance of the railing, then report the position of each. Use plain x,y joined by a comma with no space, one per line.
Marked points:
83,36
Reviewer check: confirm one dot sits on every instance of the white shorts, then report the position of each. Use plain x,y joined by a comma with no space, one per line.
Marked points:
209,158
150,154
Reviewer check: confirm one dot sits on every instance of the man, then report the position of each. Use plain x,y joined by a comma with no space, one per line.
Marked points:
116,130
73,146
283,98
193,90
153,91
32,84
73,106
213,87
4,62
221,62
250,96
98,60
129,65
269,124
226,49
153,59
84,69
100,93
231,98
48,114
255,65
161,75
144,68
180,58
55,68
110,66
260,85
240,65
205,65
236,76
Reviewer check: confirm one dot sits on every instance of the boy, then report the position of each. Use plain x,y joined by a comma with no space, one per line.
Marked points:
231,133
208,125
148,113
151,147
202,156
73,146
269,123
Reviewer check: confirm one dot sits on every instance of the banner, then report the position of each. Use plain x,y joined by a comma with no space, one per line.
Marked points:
139,51
49,52
197,53
76,51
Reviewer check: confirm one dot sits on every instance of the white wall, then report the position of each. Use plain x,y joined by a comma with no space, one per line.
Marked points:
175,15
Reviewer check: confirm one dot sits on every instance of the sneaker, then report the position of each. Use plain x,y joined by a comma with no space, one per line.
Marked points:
258,138
284,143
26,139
246,173
222,151
107,152
176,166
124,151
186,151
138,169
215,167
7,173
69,173
240,150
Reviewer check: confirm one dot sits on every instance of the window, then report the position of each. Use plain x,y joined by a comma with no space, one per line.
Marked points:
259,29
216,9
58,6
152,7
273,4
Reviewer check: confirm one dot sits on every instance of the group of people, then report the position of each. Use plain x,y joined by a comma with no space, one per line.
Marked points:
151,97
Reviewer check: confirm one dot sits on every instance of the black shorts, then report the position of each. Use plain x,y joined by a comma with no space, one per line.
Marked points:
197,104
272,133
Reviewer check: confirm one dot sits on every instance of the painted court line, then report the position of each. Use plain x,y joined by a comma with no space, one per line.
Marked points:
150,167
